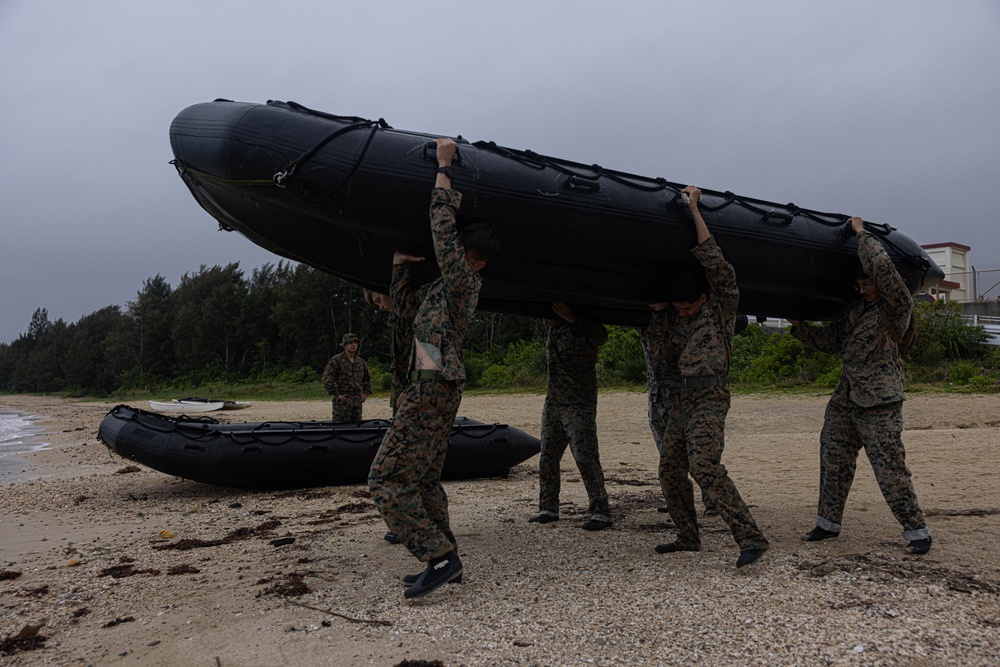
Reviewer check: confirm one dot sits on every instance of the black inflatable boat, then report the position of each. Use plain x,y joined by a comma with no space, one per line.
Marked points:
277,455
341,193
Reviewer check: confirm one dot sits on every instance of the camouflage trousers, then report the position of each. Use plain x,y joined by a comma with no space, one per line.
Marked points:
693,441
657,411
405,477
400,381
847,428
347,411
575,426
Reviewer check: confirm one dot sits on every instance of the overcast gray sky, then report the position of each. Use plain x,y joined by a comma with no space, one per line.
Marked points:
889,110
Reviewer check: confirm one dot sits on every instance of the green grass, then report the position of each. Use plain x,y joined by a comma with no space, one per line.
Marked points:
313,391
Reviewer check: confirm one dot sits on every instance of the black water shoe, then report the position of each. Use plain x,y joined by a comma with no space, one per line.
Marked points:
674,547
596,524
391,538
749,557
710,510
543,517
663,509
439,572
919,547
817,534
412,579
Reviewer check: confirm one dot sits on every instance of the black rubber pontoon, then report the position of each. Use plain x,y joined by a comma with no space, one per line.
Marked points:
341,193
280,455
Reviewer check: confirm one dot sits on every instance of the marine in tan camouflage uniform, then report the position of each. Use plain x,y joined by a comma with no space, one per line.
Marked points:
866,408
405,477
569,416
347,380
700,329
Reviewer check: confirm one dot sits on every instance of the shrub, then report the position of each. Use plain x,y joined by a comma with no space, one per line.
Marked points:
496,377
943,334
984,383
380,374
962,373
620,360
525,362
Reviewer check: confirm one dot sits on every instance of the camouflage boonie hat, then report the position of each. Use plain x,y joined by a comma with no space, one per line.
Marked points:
349,338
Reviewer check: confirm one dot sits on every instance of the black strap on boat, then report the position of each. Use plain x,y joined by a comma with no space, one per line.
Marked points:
577,179
580,181
283,178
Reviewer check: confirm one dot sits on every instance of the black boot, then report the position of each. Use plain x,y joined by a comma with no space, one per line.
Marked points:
439,571
817,534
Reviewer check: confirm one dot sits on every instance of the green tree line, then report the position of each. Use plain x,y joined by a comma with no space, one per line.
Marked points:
284,322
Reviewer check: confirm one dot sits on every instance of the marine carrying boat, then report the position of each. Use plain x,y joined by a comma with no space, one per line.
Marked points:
280,454
341,193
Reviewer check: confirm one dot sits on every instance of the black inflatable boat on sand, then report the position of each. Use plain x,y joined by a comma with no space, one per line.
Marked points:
341,193
285,455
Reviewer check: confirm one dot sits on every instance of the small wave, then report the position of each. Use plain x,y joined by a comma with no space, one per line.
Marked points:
18,433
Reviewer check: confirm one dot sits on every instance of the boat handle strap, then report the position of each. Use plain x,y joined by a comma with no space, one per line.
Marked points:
575,182
432,146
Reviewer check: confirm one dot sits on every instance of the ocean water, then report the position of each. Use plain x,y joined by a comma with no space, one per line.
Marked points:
18,433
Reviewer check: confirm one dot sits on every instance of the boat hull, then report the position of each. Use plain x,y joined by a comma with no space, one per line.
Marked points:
352,191
182,407
280,455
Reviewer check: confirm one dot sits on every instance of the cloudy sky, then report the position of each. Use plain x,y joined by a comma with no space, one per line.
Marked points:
889,110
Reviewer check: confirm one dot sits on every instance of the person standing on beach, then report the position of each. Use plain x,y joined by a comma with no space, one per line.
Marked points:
405,477
402,340
402,349
661,372
347,380
866,408
701,323
569,416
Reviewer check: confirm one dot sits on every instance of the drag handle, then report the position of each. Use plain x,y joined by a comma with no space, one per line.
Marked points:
578,183
432,146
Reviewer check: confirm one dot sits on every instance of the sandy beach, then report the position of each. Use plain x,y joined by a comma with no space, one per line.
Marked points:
90,550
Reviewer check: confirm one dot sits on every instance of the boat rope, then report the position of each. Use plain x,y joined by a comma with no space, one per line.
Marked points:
183,169
768,212
284,178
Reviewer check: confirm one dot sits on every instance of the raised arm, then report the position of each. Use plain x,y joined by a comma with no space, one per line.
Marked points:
878,266
693,197
720,274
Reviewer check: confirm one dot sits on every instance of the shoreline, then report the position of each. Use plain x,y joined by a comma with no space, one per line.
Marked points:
532,594
14,465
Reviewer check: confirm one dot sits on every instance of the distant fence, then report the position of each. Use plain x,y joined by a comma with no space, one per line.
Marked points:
989,322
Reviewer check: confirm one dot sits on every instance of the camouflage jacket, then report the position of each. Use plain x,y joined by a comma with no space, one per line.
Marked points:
661,357
702,345
342,376
873,371
405,304
571,355
448,303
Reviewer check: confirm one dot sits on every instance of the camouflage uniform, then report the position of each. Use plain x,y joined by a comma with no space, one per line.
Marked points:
405,306
661,363
350,379
866,408
405,477
695,417
569,416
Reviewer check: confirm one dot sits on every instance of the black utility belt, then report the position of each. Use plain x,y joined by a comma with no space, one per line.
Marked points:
424,374
703,381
